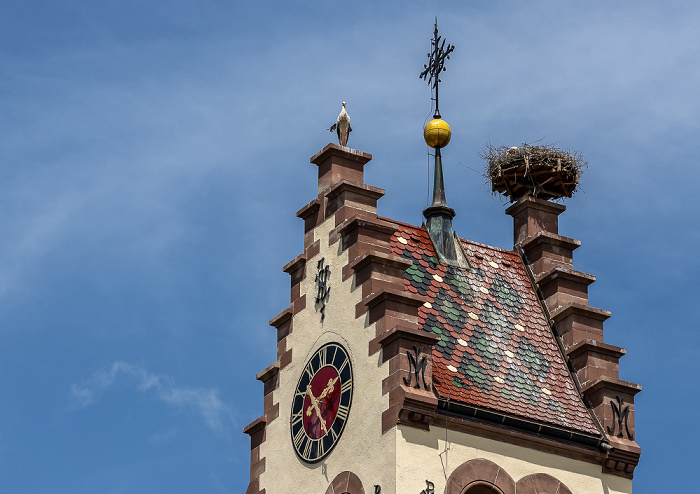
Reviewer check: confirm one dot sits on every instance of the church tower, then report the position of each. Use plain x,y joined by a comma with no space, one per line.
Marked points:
411,360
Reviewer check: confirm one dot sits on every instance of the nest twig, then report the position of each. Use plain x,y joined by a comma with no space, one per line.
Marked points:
542,171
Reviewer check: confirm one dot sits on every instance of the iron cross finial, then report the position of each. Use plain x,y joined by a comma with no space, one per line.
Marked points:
436,63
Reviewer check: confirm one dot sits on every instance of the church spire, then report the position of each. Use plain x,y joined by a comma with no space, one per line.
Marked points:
437,135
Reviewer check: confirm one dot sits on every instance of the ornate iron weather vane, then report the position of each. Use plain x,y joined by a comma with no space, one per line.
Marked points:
436,64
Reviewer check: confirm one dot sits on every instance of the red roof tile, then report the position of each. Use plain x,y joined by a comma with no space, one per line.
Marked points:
496,350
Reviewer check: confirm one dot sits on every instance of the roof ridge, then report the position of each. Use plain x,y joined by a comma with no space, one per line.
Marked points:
399,222
492,247
473,242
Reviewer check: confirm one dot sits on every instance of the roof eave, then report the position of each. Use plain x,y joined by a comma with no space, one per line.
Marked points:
589,441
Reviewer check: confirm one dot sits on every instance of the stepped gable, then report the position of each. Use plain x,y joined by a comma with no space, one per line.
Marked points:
496,350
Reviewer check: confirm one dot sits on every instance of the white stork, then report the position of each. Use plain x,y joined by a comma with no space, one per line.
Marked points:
342,126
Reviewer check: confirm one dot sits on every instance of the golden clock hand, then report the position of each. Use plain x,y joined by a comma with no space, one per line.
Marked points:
314,405
313,401
329,388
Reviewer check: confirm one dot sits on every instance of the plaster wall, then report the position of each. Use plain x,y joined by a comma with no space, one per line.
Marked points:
362,448
418,458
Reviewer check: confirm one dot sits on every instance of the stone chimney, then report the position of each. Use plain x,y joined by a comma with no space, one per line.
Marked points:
564,292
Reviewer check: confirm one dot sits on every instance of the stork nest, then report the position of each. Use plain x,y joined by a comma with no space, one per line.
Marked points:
542,171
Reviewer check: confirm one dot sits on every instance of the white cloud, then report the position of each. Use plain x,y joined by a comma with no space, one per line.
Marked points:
203,402
164,436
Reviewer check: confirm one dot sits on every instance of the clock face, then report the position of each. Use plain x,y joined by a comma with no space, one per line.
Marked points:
321,402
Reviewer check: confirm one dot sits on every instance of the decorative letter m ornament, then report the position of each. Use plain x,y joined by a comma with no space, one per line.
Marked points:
620,414
418,367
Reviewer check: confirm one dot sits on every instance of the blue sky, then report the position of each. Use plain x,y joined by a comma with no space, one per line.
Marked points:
153,156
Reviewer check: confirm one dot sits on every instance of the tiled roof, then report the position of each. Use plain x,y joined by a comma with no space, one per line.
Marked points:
496,350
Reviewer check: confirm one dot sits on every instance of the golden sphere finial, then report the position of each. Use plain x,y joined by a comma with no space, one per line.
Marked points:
437,133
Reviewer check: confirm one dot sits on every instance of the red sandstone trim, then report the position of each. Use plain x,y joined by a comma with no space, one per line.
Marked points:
270,378
346,483
299,304
580,309
552,239
621,463
539,483
311,208
336,163
254,427
584,346
480,472
312,250
256,431
379,274
375,224
343,194
296,269
388,300
391,260
579,327
268,372
613,384
534,203
345,152
296,263
408,405
565,273
412,335
283,323
312,214
281,318
286,359
360,189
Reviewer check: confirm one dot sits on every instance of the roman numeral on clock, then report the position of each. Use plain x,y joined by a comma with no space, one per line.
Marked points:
342,412
322,355
297,418
343,365
334,433
299,438
309,371
307,449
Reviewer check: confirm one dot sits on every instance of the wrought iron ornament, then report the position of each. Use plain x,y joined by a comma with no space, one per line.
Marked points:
418,367
621,413
429,489
436,64
323,289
